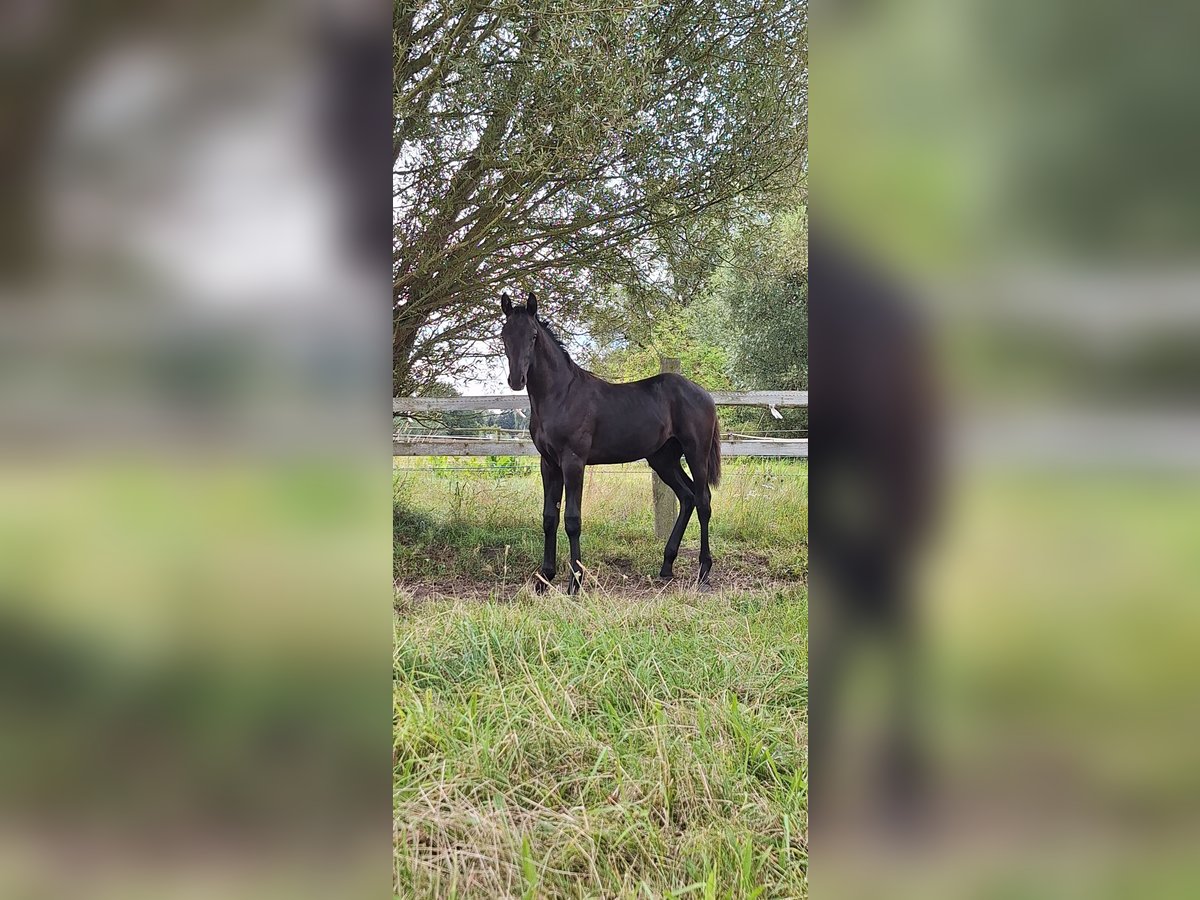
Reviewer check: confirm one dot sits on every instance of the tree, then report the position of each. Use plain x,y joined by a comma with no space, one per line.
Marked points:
628,348
568,146
745,328
765,287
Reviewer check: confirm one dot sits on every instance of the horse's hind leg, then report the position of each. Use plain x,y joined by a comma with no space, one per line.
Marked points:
697,458
666,464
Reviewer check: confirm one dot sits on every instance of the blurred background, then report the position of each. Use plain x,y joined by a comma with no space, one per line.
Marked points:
191,373
1005,480
194,549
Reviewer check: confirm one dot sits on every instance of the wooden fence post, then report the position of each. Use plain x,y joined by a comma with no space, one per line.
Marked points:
666,505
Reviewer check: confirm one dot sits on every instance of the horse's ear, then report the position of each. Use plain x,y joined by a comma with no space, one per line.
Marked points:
531,304
506,303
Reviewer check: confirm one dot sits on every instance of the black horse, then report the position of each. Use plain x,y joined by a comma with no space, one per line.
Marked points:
578,419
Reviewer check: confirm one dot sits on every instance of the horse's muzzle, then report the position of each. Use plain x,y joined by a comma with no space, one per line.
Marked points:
516,383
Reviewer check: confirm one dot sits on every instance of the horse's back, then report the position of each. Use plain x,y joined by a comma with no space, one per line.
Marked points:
671,388
689,404
632,420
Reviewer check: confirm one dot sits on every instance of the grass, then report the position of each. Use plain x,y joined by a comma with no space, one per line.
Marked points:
637,741
451,524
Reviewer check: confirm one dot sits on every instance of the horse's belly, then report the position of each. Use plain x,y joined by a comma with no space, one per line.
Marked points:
605,458
623,451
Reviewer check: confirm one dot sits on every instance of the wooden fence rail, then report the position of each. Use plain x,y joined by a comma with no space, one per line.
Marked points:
432,445
437,445
778,399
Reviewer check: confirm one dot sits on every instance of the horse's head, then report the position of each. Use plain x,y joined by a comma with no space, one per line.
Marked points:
519,334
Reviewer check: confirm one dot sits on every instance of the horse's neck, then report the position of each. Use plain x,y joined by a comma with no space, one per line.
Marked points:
550,373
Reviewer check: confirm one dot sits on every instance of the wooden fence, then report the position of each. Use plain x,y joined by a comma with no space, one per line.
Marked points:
438,445
434,445
665,504
520,401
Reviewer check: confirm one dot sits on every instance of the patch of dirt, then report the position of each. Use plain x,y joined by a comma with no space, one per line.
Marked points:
616,578
450,587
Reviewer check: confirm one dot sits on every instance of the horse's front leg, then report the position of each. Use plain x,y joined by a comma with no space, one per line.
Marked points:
572,468
552,491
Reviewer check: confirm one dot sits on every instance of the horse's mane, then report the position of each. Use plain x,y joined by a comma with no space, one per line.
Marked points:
554,337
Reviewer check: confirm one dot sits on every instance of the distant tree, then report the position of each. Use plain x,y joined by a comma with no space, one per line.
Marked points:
691,333
765,288
746,328
570,146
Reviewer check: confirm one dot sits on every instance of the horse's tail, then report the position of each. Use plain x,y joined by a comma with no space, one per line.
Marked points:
714,455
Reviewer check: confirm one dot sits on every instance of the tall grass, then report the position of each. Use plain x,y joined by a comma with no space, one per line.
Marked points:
635,741
462,525
556,748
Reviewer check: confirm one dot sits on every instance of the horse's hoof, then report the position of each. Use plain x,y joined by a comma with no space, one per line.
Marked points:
666,576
